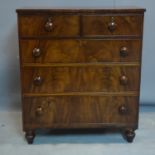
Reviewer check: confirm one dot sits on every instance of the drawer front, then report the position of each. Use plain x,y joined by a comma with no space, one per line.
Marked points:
66,111
76,51
54,25
112,25
80,79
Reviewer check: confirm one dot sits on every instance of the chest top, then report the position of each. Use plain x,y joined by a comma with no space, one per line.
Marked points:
80,22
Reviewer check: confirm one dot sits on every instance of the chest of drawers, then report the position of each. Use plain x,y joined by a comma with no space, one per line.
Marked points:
80,68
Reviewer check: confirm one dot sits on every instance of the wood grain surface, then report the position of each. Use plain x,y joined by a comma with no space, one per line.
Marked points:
73,110
62,25
80,51
125,25
80,68
80,79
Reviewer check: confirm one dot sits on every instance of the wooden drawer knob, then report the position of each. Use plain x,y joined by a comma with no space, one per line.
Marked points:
37,80
36,52
124,51
112,25
123,80
123,110
39,111
49,25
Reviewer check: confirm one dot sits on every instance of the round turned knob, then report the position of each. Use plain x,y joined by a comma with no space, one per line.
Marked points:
39,111
112,25
36,52
49,25
123,80
124,51
123,110
37,80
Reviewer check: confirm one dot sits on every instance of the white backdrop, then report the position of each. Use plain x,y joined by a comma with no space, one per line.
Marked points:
9,59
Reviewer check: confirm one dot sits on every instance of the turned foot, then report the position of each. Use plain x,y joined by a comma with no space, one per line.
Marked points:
29,135
129,135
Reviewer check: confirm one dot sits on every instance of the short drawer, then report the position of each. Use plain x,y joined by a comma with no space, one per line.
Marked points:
76,51
112,25
80,79
80,111
51,25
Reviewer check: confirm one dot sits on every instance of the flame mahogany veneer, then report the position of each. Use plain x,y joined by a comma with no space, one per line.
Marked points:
80,68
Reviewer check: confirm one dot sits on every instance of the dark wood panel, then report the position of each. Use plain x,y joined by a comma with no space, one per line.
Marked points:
80,79
46,25
81,10
76,51
112,25
64,110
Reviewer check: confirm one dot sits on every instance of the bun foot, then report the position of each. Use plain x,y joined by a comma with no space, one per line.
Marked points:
129,135
29,135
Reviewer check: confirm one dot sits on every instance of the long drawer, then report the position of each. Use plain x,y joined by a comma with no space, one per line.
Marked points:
76,51
79,111
80,79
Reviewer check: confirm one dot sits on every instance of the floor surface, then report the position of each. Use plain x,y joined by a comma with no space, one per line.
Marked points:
12,141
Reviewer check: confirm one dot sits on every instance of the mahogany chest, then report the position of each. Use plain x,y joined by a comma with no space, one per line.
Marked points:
80,68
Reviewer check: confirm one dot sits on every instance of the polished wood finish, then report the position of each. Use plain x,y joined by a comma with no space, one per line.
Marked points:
80,68
62,79
37,25
112,25
129,134
127,93
80,51
29,135
63,111
75,10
